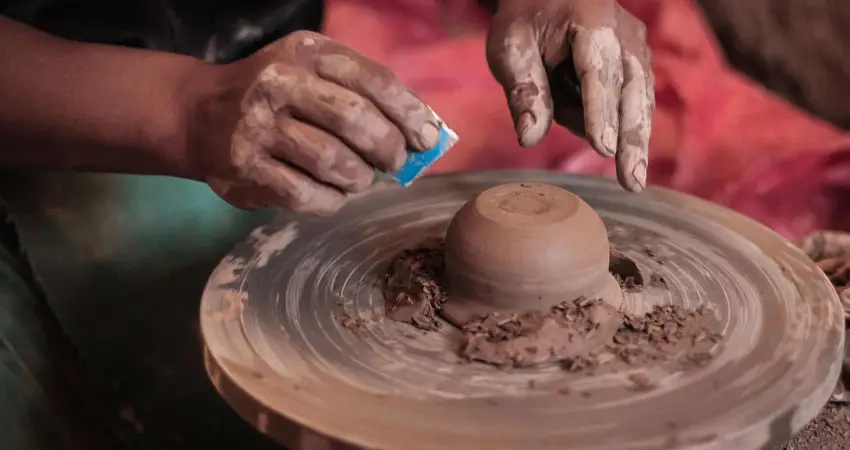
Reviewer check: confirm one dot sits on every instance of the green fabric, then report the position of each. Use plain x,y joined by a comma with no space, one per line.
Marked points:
123,261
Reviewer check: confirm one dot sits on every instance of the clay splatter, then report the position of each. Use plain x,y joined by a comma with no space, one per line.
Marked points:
355,324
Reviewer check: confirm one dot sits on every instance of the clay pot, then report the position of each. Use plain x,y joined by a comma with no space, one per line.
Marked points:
525,246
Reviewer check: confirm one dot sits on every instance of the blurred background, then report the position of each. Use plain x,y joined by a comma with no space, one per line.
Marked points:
750,97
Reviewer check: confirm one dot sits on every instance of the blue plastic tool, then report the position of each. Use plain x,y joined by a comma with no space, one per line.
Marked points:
419,162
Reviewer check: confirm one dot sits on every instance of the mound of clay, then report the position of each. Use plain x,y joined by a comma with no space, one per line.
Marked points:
580,333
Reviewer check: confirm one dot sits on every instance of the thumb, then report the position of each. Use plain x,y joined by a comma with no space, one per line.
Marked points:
515,60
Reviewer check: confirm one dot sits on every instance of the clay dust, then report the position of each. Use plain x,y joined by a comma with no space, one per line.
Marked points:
414,294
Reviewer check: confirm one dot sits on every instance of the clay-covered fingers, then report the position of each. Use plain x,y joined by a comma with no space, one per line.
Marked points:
516,62
597,57
294,190
398,103
351,118
636,108
318,153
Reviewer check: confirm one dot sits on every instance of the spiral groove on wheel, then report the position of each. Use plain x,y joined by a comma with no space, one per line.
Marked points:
276,351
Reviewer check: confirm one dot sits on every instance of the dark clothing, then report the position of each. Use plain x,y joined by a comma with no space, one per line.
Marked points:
158,398
215,30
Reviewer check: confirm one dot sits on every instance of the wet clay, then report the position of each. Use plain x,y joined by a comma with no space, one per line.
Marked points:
525,246
284,354
580,334
565,331
413,289
532,280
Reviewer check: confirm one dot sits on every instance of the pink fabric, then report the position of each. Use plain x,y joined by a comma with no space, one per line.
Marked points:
716,134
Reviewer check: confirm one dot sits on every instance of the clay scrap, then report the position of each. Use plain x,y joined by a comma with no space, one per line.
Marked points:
415,294
560,333
525,276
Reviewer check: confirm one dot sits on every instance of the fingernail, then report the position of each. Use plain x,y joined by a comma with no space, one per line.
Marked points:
523,123
609,140
429,136
639,175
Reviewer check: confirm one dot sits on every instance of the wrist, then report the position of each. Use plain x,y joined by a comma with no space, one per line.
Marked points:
210,101
171,134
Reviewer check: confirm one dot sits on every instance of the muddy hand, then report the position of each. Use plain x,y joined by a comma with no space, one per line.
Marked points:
302,123
531,40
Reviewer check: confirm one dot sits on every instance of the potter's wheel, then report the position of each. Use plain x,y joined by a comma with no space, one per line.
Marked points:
276,351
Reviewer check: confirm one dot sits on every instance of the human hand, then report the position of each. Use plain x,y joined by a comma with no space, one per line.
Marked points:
302,123
584,63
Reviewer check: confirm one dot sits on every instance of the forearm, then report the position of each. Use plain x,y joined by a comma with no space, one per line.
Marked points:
86,107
